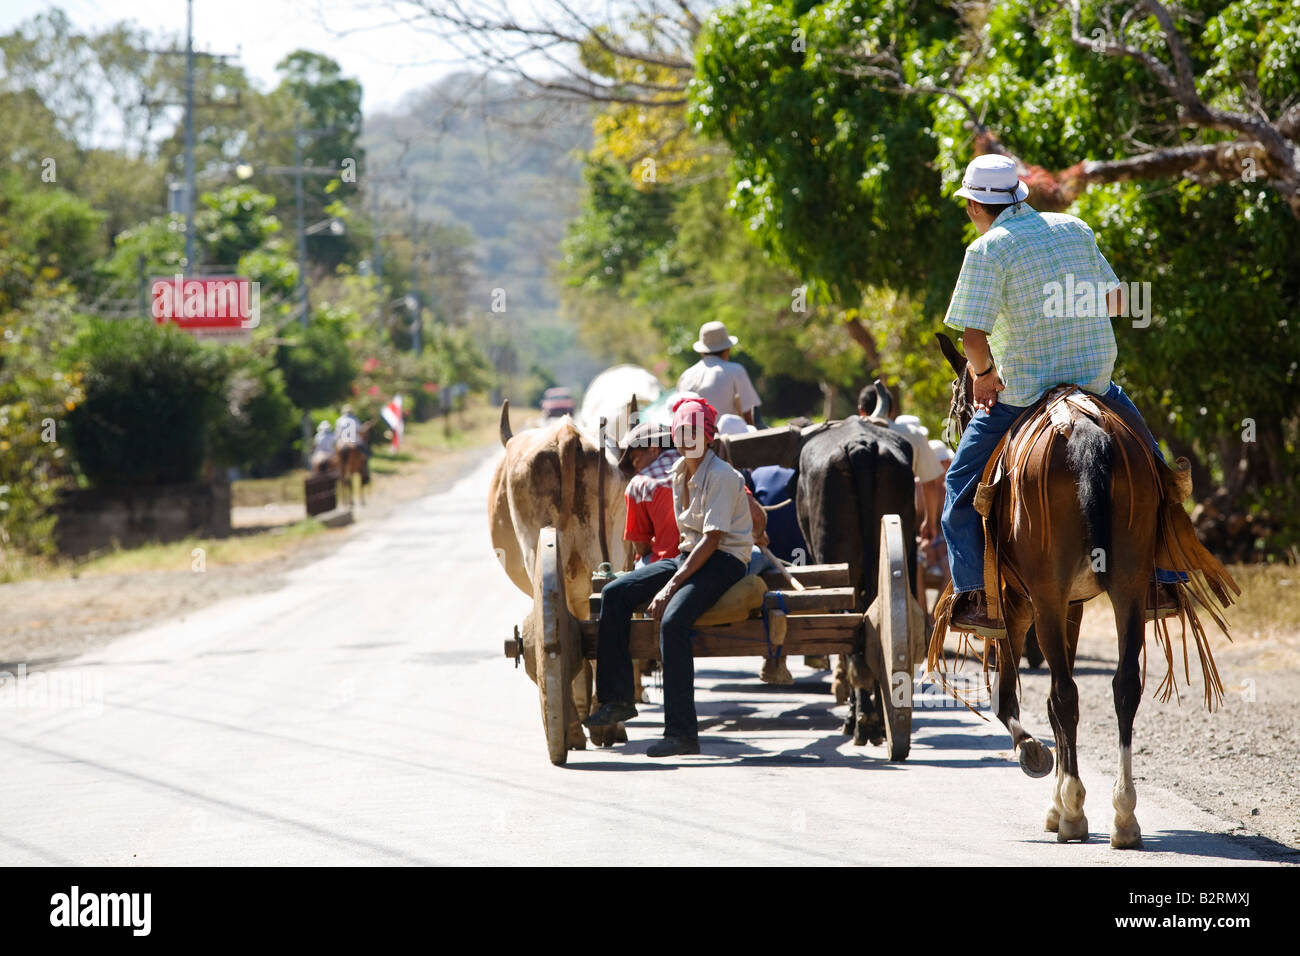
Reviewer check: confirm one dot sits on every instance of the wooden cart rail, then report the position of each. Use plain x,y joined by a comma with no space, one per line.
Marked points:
806,634
813,600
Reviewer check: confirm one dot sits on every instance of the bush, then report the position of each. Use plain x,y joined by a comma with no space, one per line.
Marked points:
318,368
34,403
259,420
152,396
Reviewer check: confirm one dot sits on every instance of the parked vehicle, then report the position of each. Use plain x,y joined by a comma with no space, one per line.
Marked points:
556,402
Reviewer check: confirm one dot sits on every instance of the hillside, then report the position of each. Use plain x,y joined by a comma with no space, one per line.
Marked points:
493,158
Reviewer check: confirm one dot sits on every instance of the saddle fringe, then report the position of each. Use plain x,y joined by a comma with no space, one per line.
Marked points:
936,672
1177,549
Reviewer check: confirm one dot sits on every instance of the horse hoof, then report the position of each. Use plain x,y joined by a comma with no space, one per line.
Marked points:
619,735
1126,838
1035,759
818,662
1053,822
1073,830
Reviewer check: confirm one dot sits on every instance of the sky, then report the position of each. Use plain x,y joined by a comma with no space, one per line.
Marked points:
367,39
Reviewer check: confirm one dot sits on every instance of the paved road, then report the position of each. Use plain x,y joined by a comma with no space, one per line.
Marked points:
363,714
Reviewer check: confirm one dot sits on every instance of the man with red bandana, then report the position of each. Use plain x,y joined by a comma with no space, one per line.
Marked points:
716,534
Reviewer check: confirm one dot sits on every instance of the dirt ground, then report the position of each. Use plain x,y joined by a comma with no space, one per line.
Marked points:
52,618
1238,762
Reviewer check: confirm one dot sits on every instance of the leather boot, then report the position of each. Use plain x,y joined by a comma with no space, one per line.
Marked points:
1162,600
970,612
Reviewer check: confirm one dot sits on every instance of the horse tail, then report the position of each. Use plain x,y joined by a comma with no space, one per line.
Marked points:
1088,455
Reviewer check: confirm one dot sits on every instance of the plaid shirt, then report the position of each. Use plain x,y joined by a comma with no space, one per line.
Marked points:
654,475
1005,289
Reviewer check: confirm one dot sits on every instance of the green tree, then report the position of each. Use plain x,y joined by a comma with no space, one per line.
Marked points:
260,420
1173,132
317,365
152,394
35,399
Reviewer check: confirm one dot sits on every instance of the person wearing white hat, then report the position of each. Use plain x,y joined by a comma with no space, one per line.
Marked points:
723,383
322,446
1018,345
733,425
942,452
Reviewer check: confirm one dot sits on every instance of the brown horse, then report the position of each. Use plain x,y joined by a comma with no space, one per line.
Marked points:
1074,516
350,460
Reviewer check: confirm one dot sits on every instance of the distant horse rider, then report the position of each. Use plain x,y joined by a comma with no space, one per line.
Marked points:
724,384
322,449
348,431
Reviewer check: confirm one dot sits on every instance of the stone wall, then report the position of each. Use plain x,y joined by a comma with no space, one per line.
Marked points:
96,518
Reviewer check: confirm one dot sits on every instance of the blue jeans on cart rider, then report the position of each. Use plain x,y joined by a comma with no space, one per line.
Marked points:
716,530
1034,299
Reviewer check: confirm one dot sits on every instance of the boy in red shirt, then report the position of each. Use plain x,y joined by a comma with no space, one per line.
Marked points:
651,521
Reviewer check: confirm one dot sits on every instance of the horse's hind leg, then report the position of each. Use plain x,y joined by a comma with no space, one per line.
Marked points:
1127,685
1063,708
1053,822
1035,759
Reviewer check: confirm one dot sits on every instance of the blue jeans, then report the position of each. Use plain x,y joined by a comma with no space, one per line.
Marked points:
620,597
962,529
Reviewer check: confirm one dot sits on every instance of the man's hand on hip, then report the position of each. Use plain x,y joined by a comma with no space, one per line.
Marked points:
985,391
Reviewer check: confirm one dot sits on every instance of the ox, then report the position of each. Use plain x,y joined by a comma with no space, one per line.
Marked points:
850,477
850,474
552,476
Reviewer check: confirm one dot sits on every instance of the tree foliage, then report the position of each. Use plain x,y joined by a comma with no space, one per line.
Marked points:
1172,132
151,396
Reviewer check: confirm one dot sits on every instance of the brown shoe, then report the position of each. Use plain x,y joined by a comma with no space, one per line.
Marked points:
1162,600
970,612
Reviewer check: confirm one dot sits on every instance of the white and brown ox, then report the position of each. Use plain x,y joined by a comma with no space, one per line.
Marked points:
552,475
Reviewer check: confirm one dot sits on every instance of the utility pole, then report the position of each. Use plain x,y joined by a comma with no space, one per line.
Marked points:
191,187
302,227
298,170
189,136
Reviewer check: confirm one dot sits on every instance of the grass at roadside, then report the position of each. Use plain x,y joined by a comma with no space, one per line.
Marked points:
424,443
1269,602
193,553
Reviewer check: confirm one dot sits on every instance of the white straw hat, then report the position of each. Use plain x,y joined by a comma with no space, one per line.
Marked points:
992,179
714,338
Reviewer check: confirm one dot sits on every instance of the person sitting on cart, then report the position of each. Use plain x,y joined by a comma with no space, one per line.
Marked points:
646,458
716,534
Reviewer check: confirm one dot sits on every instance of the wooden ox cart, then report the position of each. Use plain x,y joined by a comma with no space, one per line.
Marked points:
885,642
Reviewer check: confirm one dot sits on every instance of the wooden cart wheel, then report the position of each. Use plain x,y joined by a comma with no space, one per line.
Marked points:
893,651
551,639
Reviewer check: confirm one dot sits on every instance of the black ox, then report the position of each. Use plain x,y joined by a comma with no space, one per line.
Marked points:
851,474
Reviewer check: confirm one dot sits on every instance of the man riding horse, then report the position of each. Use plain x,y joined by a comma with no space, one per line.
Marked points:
1017,347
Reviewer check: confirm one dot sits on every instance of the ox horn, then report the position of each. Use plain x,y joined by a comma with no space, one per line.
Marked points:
883,404
506,434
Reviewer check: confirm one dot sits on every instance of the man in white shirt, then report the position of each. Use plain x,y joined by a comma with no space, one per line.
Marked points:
722,383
